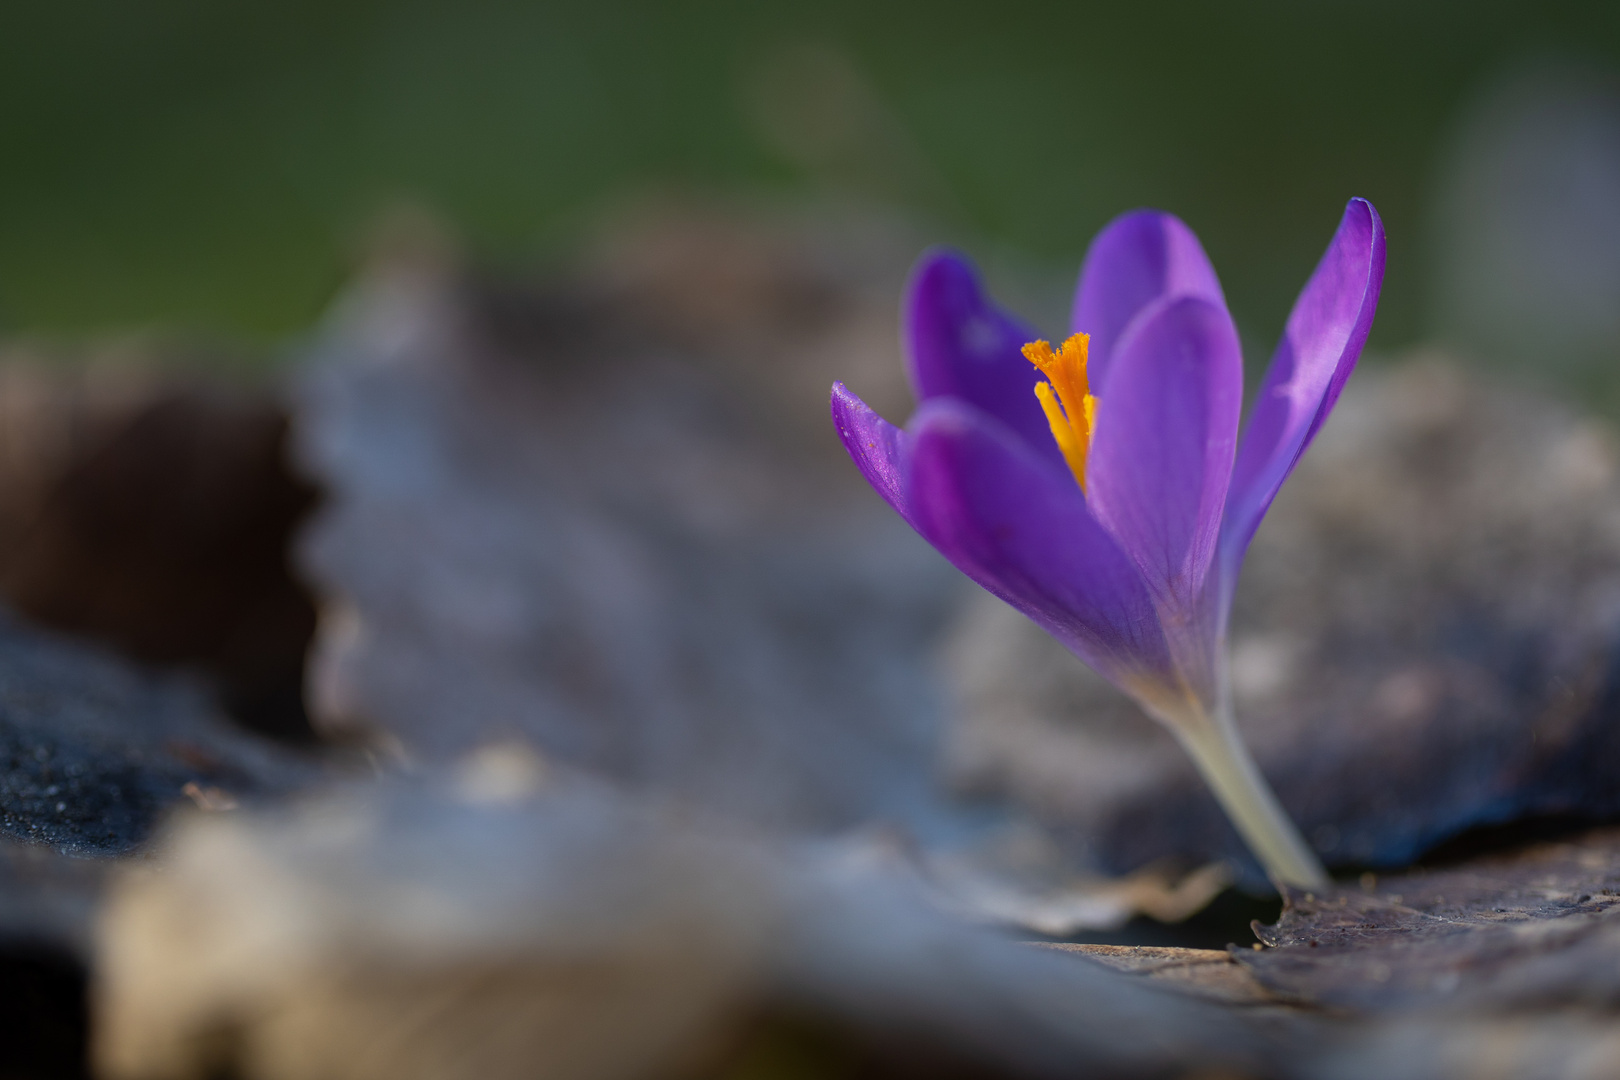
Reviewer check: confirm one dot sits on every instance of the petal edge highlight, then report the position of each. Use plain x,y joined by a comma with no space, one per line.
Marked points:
877,447
1323,339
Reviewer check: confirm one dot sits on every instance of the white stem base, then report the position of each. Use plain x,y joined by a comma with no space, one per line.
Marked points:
1218,751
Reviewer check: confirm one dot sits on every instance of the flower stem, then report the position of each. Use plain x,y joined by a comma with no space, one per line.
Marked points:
1217,749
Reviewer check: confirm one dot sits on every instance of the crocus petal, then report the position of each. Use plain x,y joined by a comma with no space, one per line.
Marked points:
1140,259
959,344
1319,348
1017,524
1167,427
878,447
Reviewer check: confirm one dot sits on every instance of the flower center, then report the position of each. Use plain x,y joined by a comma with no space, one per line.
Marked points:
1067,399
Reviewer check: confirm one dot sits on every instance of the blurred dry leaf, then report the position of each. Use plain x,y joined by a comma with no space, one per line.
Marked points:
151,509
610,520
1018,877
400,934
405,932
93,750
146,510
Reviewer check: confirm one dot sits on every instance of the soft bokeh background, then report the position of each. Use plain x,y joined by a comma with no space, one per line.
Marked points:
212,168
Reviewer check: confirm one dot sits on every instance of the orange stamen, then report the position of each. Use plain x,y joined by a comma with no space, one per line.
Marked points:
1075,420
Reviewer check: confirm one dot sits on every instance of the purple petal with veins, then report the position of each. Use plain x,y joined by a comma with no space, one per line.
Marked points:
1018,525
1167,424
1119,572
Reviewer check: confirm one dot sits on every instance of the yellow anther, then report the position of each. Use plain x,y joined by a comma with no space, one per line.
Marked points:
1074,420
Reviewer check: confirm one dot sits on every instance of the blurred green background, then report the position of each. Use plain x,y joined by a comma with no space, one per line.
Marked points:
211,166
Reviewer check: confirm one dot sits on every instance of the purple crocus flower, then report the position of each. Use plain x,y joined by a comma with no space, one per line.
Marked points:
1118,520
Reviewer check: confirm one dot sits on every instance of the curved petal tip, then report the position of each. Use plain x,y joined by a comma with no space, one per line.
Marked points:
959,344
1140,259
877,447
1325,334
